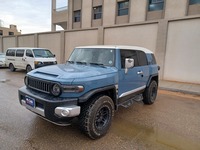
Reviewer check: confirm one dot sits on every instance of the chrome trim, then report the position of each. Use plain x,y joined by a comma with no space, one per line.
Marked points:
70,111
140,72
132,91
37,110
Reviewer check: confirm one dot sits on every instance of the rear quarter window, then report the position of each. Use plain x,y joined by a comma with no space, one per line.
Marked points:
10,52
152,59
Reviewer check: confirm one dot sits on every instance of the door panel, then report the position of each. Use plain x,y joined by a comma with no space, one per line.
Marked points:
136,78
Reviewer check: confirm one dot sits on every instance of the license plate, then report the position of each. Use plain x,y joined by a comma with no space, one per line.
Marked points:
30,101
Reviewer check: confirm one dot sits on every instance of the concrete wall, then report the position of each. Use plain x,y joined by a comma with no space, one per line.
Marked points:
182,61
87,13
142,35
26,41
79,38
138,10
175,8
109,12
8,42
51,41
175,43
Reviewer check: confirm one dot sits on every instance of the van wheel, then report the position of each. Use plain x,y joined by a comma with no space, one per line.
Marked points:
96,116
150,93
11,67
28,68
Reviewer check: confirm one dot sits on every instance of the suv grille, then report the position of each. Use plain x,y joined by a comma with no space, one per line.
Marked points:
39,85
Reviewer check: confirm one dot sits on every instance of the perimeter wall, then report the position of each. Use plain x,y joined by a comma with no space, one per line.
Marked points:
175,42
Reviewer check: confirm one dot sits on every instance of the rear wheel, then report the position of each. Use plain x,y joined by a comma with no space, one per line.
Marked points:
96,116
11,67
28,68
150,93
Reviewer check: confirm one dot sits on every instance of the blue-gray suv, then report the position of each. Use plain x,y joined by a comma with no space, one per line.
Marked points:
91,85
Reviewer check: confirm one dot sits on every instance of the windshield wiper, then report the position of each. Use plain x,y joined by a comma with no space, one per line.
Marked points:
79,62
97,64
71,62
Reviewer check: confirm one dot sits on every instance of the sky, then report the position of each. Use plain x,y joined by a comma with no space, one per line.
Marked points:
30,16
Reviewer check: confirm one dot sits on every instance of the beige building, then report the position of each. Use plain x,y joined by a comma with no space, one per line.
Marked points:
170,28
9,31
80,14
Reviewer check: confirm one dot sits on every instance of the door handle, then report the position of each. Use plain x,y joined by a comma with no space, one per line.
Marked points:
140,72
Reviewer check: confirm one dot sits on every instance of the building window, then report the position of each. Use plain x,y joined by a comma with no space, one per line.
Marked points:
191,2
123,8
156,5
77,16
11,33
97,12
1,32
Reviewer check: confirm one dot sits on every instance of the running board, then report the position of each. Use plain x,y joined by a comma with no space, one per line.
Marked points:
129,102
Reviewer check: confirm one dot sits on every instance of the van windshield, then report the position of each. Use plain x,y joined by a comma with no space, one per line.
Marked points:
45,53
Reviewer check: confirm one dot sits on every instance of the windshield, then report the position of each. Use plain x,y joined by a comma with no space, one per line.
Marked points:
2,55
94,56
42,53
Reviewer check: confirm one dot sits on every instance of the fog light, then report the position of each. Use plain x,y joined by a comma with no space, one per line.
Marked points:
65,113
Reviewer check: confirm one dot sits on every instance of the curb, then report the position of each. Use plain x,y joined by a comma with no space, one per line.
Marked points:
179,90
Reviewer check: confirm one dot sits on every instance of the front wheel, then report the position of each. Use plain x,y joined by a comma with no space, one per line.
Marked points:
150,93
28,68
96,117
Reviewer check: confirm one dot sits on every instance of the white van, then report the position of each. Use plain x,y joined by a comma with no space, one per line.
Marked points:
28,58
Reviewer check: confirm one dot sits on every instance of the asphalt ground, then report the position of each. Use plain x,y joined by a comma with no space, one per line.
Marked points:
172,122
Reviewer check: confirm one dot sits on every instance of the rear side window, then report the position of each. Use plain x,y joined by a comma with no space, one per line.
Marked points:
152,60
29,53
10,52
128,54
142,58
20,53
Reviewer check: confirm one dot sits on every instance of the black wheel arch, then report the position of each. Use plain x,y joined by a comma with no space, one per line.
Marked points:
110,91
153,77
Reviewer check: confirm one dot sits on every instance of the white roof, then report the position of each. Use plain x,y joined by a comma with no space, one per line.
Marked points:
26,48
118,47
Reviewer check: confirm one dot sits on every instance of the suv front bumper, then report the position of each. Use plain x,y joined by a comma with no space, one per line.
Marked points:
56,110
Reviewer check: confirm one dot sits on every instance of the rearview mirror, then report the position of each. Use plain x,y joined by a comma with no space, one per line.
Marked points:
129,63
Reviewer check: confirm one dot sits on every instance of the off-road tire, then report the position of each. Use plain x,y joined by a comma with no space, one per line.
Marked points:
96,116
28,68
150,93
11,67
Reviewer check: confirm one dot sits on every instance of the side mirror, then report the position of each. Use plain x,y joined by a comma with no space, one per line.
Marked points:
54,55
158,68
129,63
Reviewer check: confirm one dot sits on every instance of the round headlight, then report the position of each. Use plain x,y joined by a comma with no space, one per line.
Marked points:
56,89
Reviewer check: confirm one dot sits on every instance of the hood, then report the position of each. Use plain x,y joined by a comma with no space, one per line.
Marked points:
71,71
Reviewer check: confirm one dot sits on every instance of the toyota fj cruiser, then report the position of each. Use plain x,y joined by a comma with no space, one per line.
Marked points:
91,85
